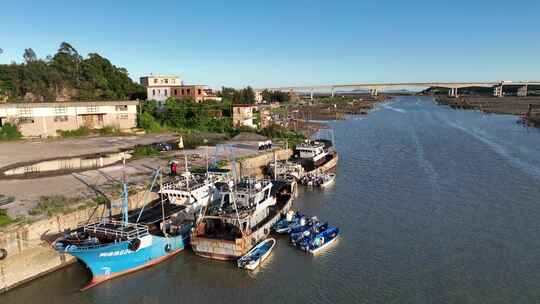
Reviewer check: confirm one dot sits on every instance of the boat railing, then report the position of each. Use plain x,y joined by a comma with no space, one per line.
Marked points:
116,229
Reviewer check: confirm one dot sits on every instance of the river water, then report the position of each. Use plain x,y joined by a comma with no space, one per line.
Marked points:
435,206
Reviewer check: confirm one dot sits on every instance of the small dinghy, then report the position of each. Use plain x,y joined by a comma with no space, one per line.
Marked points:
255,256
321,240
327,180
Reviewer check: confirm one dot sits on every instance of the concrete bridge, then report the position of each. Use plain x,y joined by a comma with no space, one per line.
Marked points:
375,88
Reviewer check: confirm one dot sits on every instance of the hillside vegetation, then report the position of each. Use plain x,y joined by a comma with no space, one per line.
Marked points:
66,76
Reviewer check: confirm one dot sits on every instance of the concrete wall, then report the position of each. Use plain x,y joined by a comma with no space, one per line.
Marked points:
254,166
29,252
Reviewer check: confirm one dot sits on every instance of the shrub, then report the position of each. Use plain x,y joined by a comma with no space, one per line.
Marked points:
4,218
149,123
142,151
10,132
82,131
109,130
51,205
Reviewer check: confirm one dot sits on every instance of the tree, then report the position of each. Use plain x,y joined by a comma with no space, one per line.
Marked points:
29,55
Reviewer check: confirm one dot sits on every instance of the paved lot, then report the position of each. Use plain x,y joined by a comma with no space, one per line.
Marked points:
32,150
27,192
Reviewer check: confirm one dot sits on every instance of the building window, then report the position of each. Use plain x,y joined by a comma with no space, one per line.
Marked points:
60,118
188,91
155,80
92,109
25,120
182,91
120,108
165,92
123,116
153,92
159,92
166,80
60,110
199,91
24,111
175,92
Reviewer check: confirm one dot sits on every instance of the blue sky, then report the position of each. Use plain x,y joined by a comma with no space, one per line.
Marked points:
275,42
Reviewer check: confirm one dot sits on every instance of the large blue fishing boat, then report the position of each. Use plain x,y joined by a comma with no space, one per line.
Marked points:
111,246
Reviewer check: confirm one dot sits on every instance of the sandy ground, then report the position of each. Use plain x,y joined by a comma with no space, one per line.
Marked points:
27,192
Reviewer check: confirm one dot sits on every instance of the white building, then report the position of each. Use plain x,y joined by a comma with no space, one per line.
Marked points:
159,87
45,118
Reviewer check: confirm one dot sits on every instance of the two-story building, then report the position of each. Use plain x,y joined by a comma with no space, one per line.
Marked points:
43,119
160,88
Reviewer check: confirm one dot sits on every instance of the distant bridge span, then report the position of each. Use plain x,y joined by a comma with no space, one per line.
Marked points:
376,87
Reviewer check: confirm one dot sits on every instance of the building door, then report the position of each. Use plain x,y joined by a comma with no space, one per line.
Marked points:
88,121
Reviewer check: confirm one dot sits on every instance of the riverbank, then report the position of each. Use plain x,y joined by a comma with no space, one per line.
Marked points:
522,106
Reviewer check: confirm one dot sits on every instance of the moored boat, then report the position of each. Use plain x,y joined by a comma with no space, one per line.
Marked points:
114,246
257,255
242,218
291,220
321,240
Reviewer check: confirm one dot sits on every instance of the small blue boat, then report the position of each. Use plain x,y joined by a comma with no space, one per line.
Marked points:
301,228
321,240
255,256
302,238
291,221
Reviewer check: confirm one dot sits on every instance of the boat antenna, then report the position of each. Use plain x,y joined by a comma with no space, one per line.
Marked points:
233,189
162,205
275,166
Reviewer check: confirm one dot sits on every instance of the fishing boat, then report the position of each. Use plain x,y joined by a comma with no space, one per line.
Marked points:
257,255
242,218
327,179
315,156
308,233
117,245
321,240
292,219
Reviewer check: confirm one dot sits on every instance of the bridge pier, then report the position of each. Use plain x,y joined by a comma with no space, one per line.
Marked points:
453,92
522,91
498,91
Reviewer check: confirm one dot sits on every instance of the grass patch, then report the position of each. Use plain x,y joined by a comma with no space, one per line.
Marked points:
109,130
82,131
5,219
51,205
143,151
10,132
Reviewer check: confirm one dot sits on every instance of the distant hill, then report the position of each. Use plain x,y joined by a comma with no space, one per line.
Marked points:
66,76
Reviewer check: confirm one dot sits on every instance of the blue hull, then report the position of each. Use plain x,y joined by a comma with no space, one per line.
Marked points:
112,260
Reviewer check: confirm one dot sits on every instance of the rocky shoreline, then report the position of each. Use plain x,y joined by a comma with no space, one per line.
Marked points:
528,108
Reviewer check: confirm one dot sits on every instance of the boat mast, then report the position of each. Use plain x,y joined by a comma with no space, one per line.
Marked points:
125,205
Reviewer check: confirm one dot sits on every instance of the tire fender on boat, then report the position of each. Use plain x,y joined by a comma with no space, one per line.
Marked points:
168,248
3,253
134,244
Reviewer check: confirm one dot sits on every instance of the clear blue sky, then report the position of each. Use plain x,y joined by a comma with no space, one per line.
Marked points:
289,42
